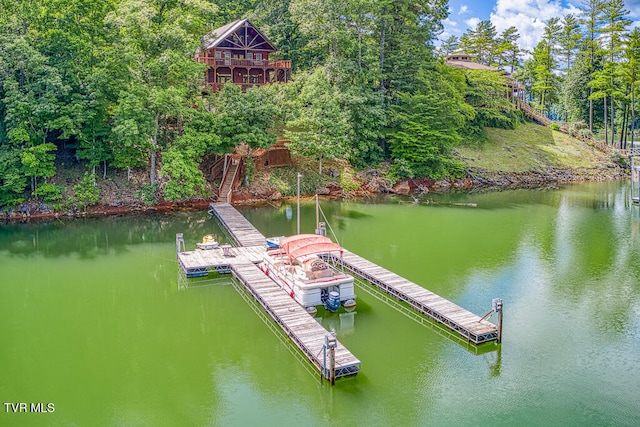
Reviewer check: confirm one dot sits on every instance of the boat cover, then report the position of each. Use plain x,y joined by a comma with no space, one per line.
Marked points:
308,244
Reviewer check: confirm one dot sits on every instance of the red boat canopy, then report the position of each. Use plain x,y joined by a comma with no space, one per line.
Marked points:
308,244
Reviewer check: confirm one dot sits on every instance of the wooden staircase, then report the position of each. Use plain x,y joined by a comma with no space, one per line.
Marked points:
231,178
540,118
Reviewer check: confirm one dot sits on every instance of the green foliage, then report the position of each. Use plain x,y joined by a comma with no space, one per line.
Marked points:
50,194
181,161
285,180
31,92
348,182
243,117
400,169
481,42
86,192
148,193
321,127
12,181
116,79
427,129
485,92
554,126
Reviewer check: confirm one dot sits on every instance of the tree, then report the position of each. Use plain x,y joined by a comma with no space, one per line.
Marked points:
615,25
576,89
37,161
485,92
508,53
404,31
274,19
156,41
592,18
320,129
448,46
12,181
543,65
481,42
243,117
325,23
180,163
31,93
632,74
569,38
426,128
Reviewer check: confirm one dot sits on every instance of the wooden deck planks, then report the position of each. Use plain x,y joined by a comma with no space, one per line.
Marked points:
305,332
238,226
440,309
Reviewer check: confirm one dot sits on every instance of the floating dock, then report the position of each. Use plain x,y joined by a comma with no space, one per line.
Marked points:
326,353
331,358
473,328
239,228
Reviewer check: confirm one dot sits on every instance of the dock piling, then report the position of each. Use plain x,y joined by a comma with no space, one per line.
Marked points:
330,344
179,243
497,308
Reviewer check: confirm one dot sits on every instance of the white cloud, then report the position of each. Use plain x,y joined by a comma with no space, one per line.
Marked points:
448,22
463,9
529,17
472,22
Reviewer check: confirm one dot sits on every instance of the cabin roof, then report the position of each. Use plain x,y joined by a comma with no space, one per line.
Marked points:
226,34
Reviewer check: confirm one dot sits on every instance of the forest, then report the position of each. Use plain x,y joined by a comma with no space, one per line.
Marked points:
115,83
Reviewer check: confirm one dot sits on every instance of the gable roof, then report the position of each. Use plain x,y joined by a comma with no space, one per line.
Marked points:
240,34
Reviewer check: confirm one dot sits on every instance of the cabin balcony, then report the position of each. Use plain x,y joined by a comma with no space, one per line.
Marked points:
241,62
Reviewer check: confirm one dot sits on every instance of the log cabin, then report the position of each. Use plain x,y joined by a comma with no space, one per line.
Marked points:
239,53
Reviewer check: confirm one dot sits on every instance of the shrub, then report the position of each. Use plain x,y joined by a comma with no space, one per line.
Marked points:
49,193
86,192
148,193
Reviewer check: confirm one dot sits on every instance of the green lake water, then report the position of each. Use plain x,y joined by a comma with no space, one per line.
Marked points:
95,320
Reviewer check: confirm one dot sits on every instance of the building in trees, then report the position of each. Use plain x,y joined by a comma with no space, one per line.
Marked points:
463,60
239,53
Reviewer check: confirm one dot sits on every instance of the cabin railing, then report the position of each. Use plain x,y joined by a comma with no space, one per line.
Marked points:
241,62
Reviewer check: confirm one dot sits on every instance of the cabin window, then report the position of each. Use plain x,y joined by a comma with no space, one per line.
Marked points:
258,57
223,78
254,78
218,54
249,55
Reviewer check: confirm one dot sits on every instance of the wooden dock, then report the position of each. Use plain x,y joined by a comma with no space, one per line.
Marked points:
240,229
307,334
302,329
321,347
470,326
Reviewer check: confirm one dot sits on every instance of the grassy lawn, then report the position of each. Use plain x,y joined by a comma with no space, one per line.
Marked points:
530,147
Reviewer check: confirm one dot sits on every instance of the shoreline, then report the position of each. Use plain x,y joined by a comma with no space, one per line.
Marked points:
476,180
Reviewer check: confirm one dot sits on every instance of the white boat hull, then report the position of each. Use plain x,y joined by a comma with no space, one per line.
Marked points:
308,292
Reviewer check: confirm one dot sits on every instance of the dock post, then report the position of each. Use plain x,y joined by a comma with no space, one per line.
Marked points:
330,344
497,308
179,243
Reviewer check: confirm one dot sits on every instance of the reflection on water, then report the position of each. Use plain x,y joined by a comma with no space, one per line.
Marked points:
95,319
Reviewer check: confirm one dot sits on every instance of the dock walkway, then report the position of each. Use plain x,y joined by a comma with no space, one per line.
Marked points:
294,320
240,229
456,318
308,335
325,352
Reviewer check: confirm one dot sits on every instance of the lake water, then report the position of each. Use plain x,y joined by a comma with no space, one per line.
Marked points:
95,322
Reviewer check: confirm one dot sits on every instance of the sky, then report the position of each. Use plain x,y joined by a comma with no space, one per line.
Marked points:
528,16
